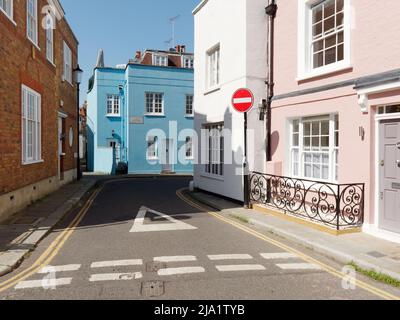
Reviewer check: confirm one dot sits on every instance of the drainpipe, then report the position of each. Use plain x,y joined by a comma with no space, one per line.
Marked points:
270,10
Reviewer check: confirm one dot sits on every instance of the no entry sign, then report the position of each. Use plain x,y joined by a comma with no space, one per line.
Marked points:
243,100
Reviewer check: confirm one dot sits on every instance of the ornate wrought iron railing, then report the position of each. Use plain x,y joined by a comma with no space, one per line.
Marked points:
339,206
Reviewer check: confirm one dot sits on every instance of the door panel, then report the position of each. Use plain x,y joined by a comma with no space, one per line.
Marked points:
168,153
390,175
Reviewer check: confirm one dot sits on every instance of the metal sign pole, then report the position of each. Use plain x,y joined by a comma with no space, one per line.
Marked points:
246,183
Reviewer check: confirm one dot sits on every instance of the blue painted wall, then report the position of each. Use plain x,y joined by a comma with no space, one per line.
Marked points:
132,84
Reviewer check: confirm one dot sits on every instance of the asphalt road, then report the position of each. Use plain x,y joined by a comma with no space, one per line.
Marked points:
138,240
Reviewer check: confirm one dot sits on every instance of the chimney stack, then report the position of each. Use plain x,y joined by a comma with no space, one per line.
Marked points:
138,55
180,48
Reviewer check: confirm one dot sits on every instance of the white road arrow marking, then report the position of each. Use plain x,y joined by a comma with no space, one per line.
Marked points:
174,224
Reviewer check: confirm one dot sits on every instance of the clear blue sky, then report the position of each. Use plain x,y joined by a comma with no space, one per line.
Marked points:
120,27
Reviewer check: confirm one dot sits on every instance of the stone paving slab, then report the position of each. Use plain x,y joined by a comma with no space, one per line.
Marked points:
366,251
21,233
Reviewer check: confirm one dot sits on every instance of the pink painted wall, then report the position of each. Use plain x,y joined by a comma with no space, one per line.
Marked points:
375,48
375,43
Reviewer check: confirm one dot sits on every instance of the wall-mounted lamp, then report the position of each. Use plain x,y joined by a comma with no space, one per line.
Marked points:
361,132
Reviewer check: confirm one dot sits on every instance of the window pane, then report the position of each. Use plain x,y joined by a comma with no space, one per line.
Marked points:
318,60
329,8
339,5
317,30
329,24
317,14
330,56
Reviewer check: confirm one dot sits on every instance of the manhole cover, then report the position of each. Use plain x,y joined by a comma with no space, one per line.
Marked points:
152,289
155,266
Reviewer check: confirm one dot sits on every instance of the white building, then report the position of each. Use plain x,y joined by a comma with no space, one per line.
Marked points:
231,53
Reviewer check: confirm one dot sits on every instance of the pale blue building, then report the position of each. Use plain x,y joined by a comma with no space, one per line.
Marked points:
141,114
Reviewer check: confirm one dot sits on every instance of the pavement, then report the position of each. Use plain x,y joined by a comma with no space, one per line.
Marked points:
368,252
141,239
21,233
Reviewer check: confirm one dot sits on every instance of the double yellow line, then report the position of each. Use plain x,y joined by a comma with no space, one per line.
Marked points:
47,256
341,275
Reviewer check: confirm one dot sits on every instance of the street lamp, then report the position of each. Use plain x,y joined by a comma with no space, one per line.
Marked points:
78,72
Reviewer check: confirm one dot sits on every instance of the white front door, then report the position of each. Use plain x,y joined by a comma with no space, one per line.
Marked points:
167,155
390,175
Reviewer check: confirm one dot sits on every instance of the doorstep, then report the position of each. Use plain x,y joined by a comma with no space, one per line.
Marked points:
367,251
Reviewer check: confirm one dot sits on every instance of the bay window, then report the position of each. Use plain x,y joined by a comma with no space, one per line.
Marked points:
214,149
315,148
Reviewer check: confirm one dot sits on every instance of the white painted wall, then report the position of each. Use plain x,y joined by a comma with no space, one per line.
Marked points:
240,29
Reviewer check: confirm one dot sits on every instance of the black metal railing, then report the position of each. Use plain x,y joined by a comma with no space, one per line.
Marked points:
340,206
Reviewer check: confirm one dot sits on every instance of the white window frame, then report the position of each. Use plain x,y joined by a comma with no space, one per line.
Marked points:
152,148
8,10
304,54
67,63
188,62
160,60
153,96
189,104
189,148
32,34
214,152
36,144
332,151
113,105
213,66
50,40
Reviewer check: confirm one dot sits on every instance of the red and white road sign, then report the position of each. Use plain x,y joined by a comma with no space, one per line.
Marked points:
243,100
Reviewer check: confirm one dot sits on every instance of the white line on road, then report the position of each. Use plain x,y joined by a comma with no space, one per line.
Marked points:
177,271
175,259
279,255
244,267
65,268
115,277
299,266
44,283
230,257
174,225
117,263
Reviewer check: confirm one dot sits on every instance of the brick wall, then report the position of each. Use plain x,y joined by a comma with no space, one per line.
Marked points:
23,63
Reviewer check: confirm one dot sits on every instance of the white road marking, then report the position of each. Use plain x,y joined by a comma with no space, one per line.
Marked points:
177,271
115,277
230,257
43,284
117,263
244,267
174,225
175,259
65,268
298,266
242,100
278,255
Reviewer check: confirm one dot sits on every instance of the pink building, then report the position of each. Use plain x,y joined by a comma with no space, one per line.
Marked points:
336,105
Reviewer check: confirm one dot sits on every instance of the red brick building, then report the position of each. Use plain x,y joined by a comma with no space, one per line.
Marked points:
38,134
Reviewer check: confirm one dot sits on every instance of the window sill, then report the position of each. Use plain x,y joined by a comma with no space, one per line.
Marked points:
51,62
27,163
189,116
324,71
213,177
34,44
155,115
212,90
152,159
9,18
113,116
